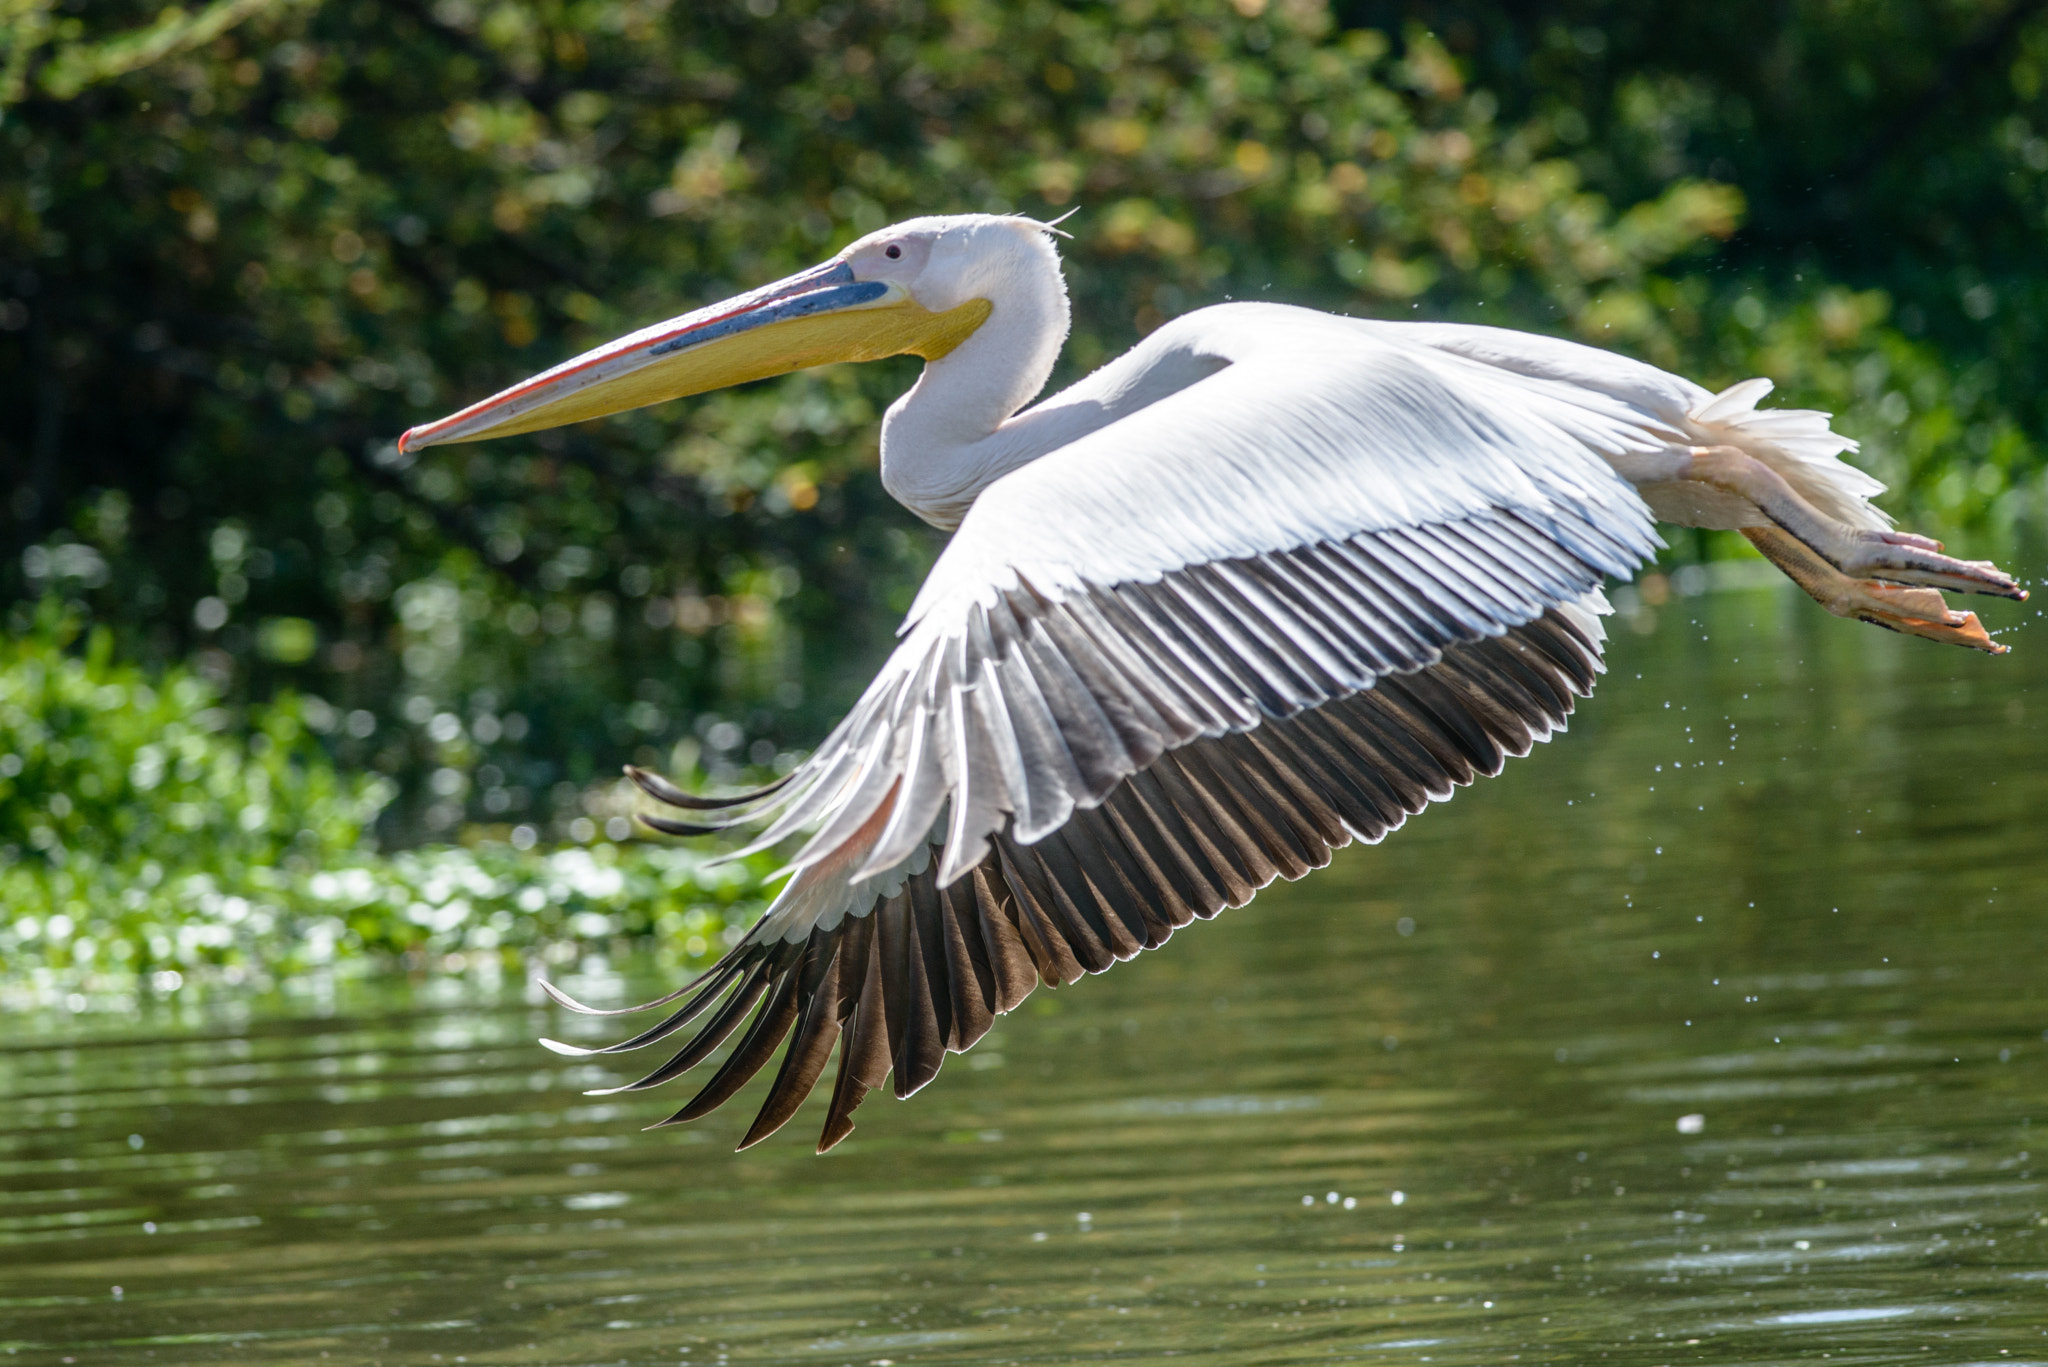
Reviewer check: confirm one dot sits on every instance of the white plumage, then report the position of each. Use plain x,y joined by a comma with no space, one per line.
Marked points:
1268,583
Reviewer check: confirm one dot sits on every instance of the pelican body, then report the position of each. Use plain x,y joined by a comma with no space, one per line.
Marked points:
1270,582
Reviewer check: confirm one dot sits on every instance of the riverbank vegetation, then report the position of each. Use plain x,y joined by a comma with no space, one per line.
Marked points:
149,832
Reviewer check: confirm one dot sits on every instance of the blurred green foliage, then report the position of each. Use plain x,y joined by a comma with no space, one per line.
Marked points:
102,768
246,244
147,828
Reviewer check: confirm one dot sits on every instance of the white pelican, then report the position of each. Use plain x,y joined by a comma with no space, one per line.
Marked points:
1266,584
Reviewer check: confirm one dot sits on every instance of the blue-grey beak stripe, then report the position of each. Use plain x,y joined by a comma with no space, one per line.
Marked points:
796,306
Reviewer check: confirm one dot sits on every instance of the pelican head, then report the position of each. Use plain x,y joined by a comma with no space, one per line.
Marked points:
921,287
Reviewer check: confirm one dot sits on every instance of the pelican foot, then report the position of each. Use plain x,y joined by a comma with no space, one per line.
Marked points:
1901,557
1962,629
1908,559
1913,610
1889,579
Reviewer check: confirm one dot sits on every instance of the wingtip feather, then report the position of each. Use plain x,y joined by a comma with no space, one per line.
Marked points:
668,827
563,999
664,791
837,1127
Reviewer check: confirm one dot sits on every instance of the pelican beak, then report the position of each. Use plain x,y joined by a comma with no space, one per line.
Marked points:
815,318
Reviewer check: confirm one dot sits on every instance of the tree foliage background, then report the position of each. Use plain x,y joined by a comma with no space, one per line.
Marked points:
244,245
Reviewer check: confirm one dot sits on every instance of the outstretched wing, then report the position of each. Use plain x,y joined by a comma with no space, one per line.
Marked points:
1192,651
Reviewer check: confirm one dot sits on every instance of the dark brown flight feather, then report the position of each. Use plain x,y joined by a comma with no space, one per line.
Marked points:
1203,825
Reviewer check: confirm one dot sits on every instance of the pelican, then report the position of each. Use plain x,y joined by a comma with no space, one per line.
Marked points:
1268,583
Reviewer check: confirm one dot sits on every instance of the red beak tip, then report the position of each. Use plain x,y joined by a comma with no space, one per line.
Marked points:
405,438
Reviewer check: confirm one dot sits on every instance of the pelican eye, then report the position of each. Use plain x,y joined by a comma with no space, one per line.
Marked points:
892,251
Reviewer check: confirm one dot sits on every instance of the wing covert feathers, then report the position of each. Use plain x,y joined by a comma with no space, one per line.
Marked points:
1138,696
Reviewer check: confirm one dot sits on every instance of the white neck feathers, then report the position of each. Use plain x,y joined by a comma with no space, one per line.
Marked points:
952,434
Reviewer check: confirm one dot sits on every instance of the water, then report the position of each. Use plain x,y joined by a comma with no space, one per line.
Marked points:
1817,928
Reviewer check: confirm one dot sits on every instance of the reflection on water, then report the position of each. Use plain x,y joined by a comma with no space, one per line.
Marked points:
1712,1033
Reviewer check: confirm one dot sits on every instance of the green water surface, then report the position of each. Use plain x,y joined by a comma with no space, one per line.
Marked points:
1711,1033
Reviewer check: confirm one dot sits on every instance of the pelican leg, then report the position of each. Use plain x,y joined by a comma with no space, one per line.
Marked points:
1913,610
1900,557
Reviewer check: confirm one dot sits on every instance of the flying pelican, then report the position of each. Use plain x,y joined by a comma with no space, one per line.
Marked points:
1268,583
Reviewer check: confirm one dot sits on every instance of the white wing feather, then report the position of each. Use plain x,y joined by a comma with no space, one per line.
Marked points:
1315,430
